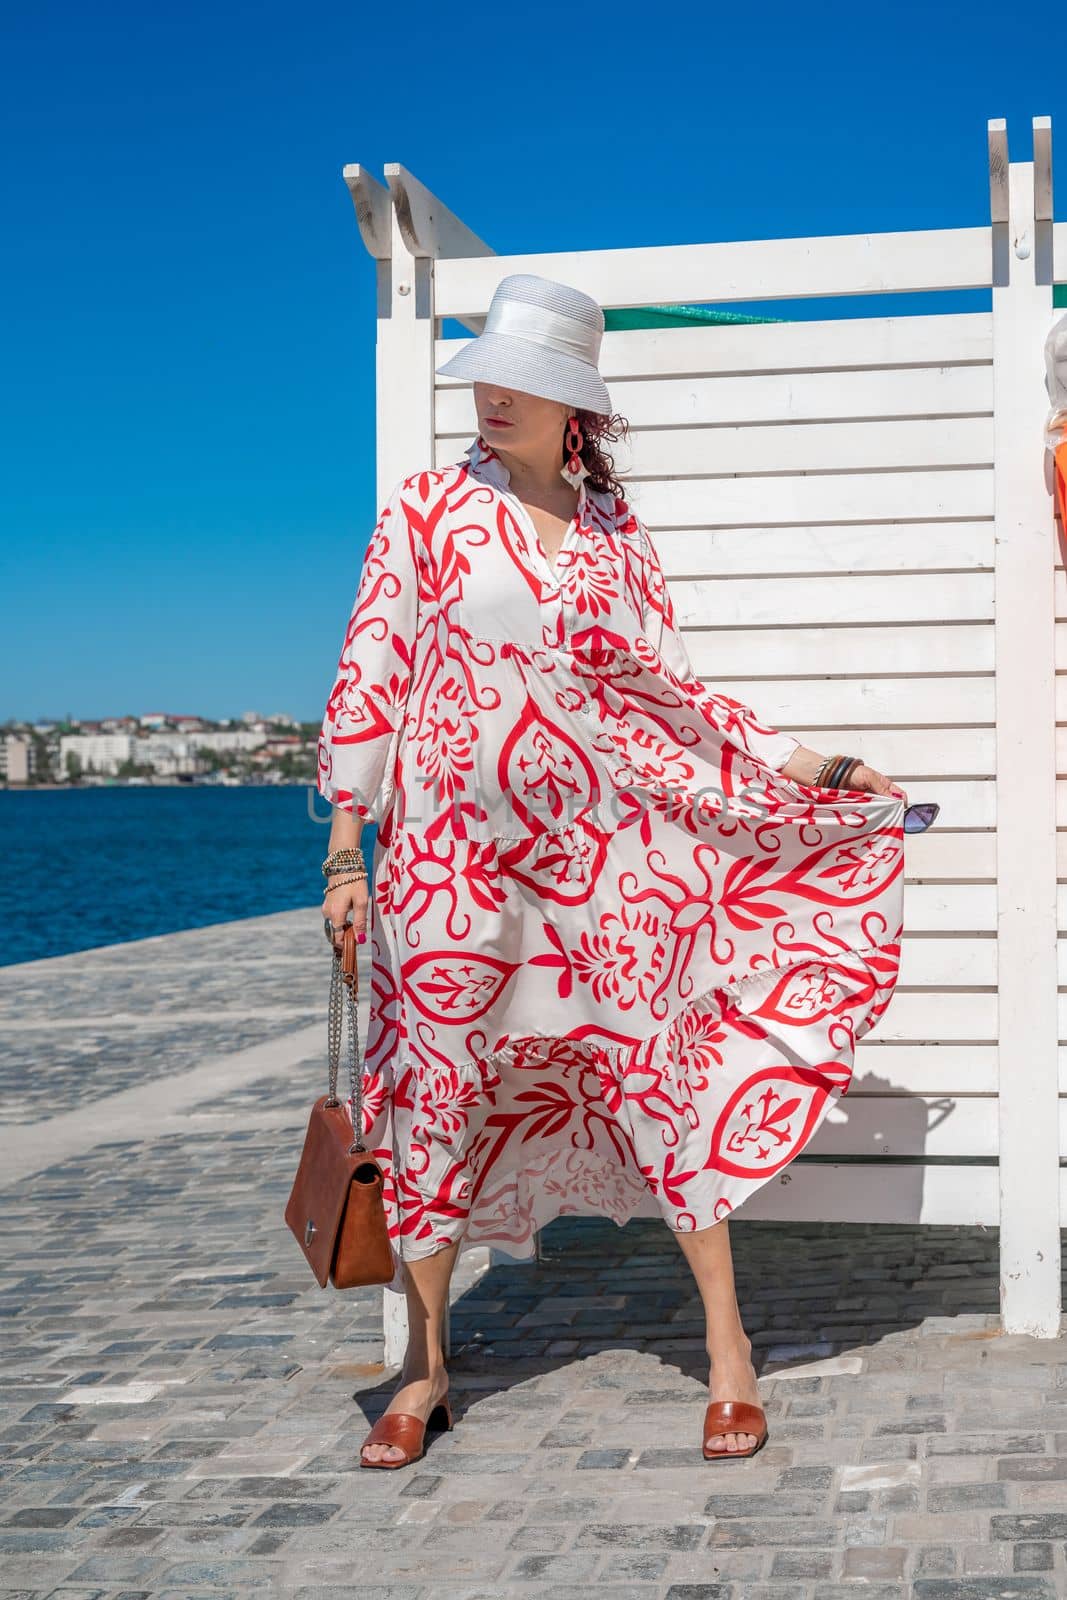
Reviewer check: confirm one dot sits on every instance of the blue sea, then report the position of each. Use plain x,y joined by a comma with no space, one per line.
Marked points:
88,867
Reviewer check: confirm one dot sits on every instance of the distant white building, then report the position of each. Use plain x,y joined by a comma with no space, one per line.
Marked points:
229,739
96,752
17,758
168,753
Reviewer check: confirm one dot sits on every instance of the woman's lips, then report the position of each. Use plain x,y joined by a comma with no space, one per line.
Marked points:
497,422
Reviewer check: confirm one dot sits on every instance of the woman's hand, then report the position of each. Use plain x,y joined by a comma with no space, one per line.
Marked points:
874,782
804,764
337,903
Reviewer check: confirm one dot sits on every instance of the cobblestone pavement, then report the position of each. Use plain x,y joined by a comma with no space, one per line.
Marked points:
182,1406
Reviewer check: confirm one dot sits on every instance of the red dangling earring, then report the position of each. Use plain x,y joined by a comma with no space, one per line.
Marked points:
574,443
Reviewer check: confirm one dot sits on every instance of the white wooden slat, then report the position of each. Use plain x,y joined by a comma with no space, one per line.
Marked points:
928,340
772,397
965,802
893,443
908,1125
1061,853
1061,809
866,702
821,1191
950,908
822,497
841,651
940,1016
736,270
892,1068
1059,252
841,343
949,962
795,602
919,1017
830,547
939,853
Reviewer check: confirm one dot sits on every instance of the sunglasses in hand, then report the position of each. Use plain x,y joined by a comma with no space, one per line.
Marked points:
919,815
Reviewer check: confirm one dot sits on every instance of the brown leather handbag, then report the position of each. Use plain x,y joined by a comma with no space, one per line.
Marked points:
336,1210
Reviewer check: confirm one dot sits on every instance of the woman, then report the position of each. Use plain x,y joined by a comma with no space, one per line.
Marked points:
625,936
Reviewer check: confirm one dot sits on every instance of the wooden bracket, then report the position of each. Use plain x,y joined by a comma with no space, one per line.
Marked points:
1042,169
427,227
998,169
371,202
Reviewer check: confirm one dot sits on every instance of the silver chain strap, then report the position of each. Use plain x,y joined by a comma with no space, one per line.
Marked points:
334,1023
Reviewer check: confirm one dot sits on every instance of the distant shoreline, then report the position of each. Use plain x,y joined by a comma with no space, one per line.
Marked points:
163,783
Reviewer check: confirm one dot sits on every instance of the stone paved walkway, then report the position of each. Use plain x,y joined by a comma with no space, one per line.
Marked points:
182,1405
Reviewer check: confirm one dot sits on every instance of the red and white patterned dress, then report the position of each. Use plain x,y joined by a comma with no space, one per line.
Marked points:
619,961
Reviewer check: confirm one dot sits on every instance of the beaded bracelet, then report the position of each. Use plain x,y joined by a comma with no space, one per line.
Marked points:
339,860
359,878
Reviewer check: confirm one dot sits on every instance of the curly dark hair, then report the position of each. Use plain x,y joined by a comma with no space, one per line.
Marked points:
596,427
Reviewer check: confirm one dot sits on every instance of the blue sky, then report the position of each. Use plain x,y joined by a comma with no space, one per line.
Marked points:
188,421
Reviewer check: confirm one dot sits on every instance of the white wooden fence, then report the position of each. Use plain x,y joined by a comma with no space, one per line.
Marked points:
857,521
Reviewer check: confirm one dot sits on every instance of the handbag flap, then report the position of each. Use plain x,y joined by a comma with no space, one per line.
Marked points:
320,1188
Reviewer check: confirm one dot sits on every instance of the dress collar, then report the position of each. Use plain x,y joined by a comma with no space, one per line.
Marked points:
485,463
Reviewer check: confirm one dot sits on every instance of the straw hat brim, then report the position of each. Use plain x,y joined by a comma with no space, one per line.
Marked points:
530,368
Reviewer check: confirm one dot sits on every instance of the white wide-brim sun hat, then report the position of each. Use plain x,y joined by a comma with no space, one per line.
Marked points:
540,337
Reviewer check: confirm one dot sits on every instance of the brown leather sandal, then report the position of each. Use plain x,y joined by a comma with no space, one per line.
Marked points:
733,1416
407,1432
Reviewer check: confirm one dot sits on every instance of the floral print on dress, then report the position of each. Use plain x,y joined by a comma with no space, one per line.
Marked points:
619,961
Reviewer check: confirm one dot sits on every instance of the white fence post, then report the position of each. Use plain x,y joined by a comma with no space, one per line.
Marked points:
420,229
1025,767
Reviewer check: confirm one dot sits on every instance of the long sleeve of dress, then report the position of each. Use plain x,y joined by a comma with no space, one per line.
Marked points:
736,721
358,742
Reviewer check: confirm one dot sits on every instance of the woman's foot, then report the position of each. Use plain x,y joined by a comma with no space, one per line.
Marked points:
733,1378
417,1394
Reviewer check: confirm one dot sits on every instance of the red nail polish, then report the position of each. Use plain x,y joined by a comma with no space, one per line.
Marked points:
361,938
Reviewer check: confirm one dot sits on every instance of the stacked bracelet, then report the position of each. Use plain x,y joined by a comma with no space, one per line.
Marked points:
835,771
342,861
347,860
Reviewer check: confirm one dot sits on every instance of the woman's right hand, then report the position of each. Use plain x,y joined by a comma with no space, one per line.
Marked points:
338,903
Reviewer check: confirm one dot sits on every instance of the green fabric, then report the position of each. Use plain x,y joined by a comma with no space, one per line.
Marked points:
675,316
672,317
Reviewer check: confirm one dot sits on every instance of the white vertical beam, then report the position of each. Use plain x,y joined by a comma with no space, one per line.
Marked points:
1026,779
422,229
404,416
